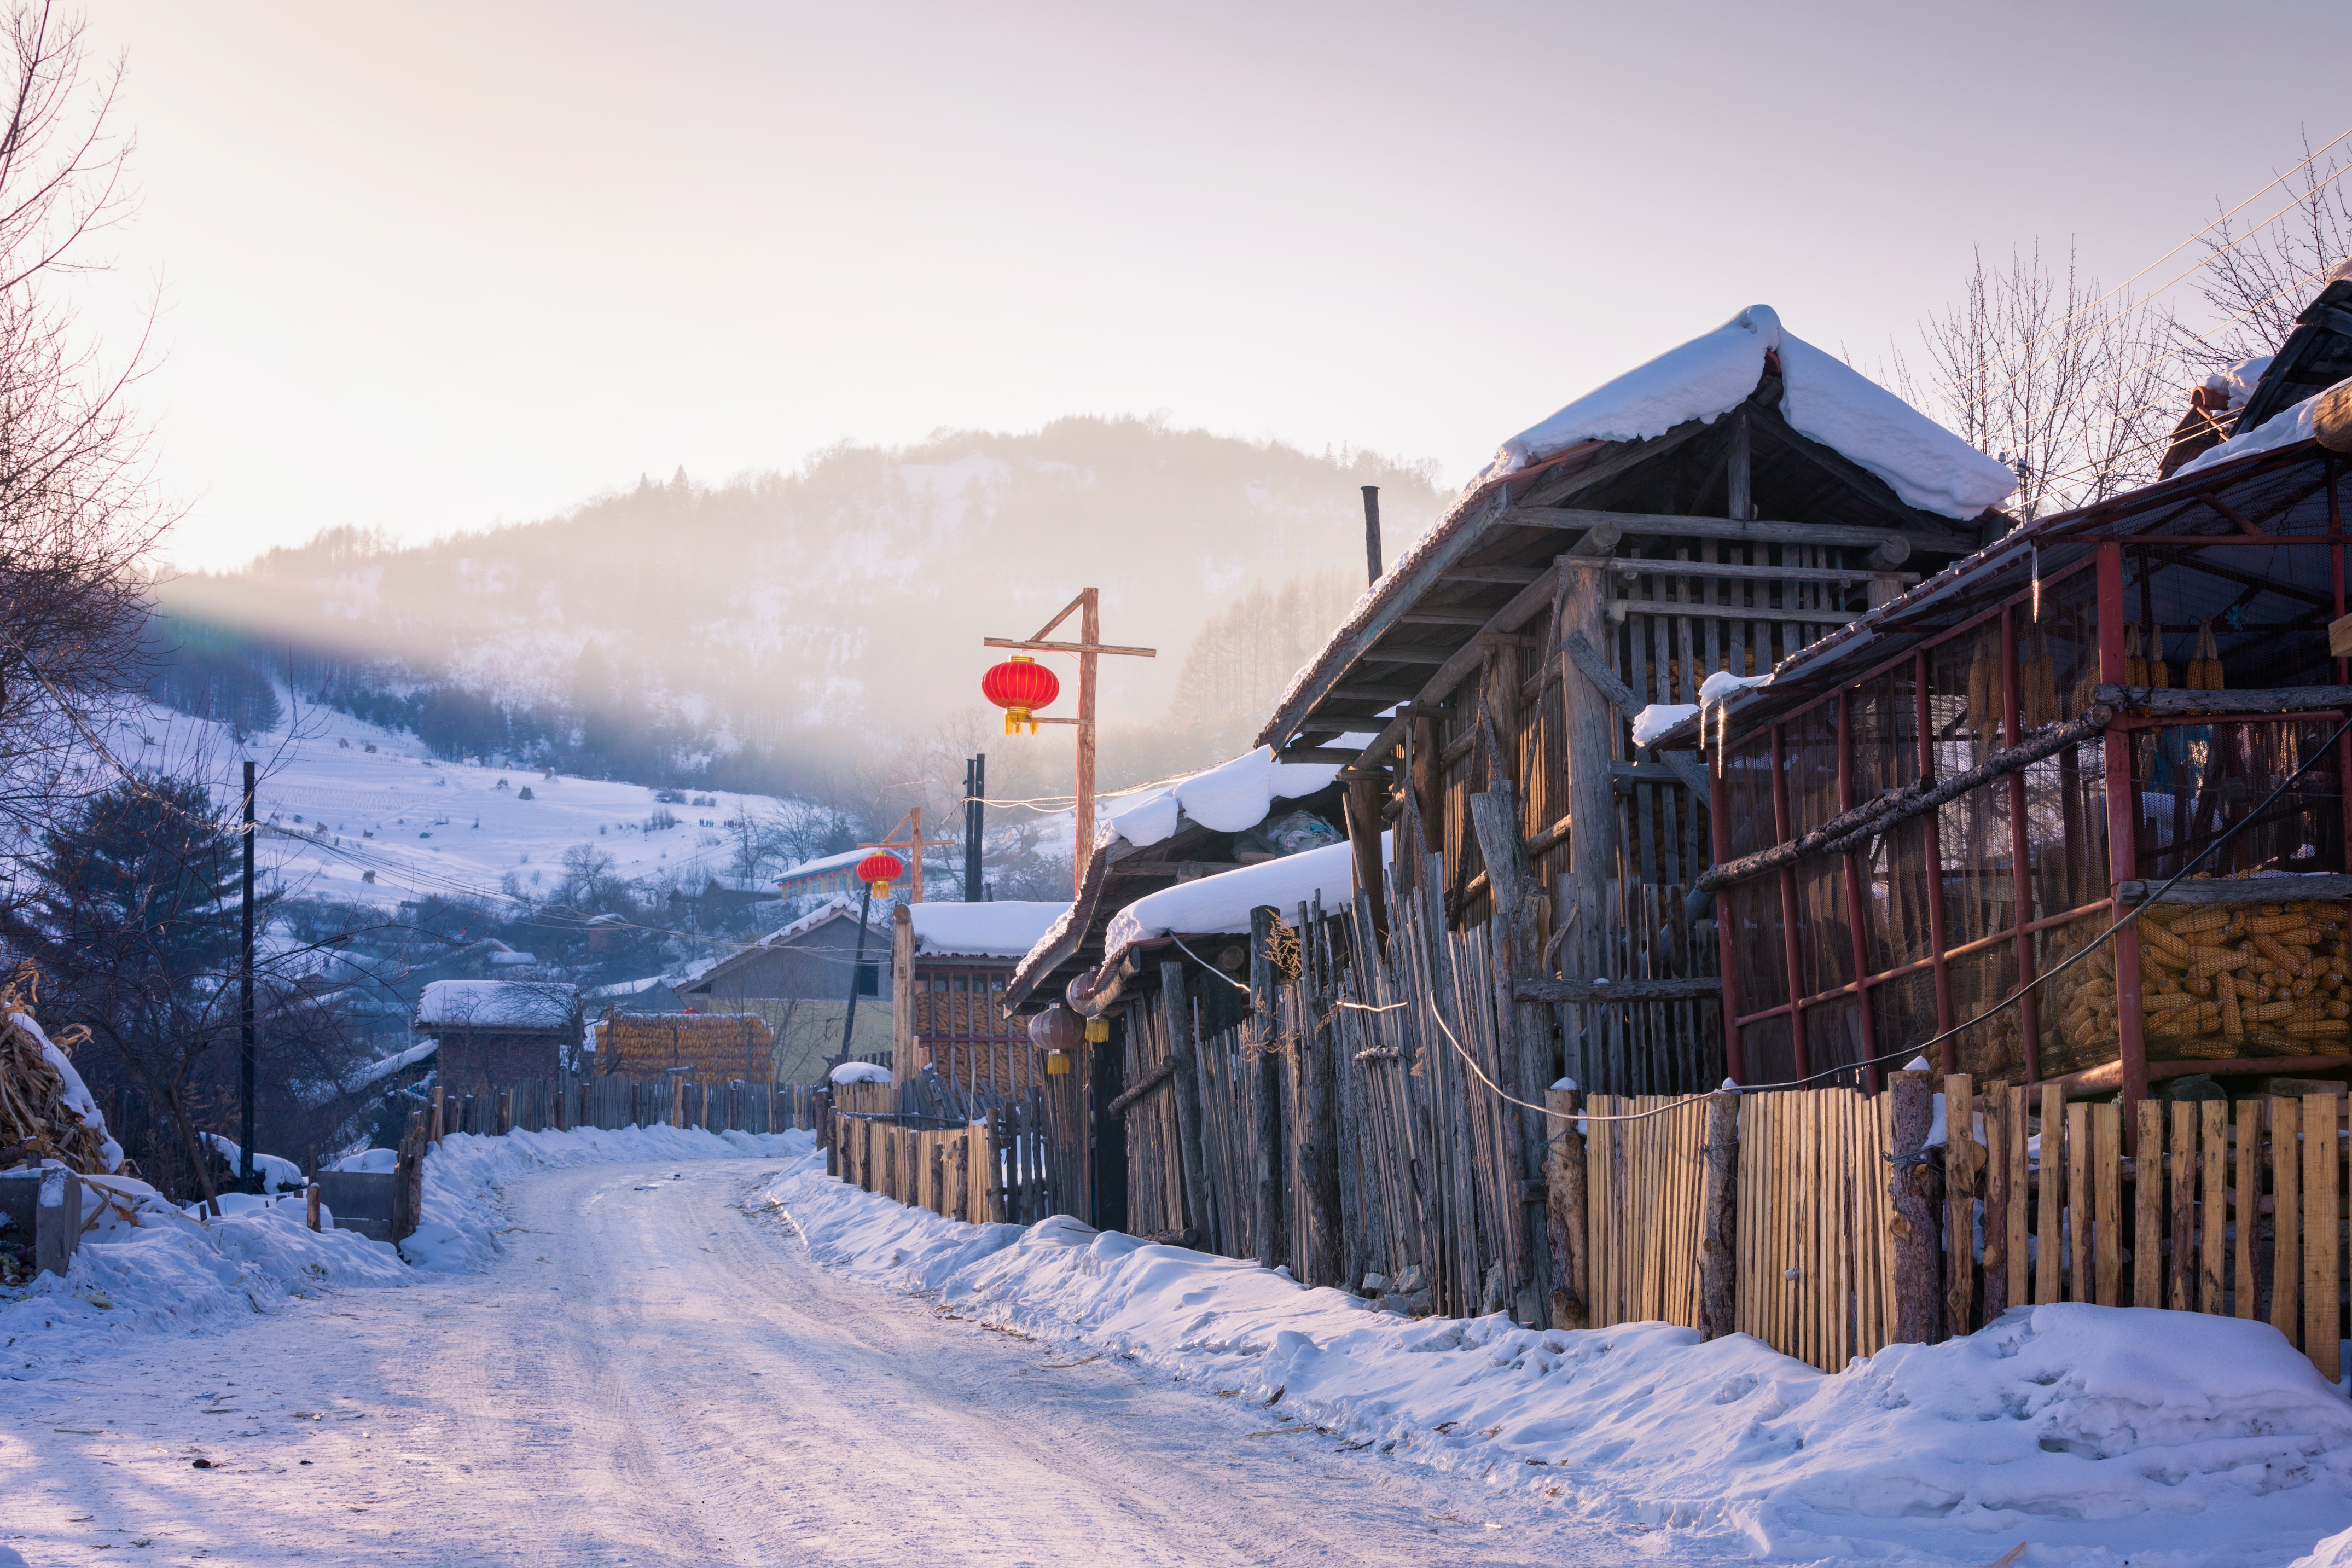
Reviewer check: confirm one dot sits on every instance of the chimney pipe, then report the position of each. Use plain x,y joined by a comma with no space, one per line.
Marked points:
1373,532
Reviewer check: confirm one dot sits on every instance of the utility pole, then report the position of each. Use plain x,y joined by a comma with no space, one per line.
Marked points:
976,803
849,1018
1089,647
244,1000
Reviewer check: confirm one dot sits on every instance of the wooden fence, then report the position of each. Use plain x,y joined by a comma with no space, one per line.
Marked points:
616,1099
993,1168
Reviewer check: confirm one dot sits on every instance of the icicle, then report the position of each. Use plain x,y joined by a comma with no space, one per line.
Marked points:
2036,549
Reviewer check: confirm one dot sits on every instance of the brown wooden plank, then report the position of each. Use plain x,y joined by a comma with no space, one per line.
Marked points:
2181,1165
2052,1165
2147,1184
2249,1205
2214,1151
2079,1283
2106,1138
2287,1186
1959,1200
2321,1214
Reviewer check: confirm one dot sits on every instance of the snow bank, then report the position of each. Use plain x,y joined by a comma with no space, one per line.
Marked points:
2284,429
1822,397
1001,928
2097,1434
146,1268
1224,902
1227,798
278,1175
860,1072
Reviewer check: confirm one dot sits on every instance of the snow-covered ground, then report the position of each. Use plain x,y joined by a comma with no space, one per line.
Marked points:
656,1347
338,810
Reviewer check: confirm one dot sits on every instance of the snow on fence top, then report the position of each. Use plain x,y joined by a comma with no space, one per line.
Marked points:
860,1072
1822,397
497,1005
1001,929
1223,903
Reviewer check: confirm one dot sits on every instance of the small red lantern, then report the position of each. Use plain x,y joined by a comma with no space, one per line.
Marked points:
1020,686
877,871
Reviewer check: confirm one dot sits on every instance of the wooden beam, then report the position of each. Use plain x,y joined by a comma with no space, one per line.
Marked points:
1595,668
1524,604
1371,692
2274,700
1620,608
1381,654
1616,990
1634,566
1851,535
1343,755
1444,617
1628,774
1505,574
2327,884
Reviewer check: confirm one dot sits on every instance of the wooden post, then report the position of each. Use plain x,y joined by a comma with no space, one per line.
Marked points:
505,1113
1918,1254
1364,822
1564,1213
1718,1274
1590,736
1427,783
1266,1103
1325,1253
1089,634
902,985
1517,927
440,1113
1181,1046
1959,1199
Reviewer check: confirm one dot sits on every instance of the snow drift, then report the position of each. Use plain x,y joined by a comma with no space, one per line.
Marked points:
2097,1434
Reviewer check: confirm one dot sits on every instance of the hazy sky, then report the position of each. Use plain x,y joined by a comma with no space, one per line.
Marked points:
430,267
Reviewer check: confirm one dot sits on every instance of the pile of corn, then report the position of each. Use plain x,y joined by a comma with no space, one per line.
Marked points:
2216,980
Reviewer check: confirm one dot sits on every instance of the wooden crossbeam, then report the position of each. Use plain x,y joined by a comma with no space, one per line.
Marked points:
1850,535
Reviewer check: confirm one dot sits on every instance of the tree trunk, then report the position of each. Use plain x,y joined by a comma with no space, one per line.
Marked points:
1564,1213
1919,1251
1717,1271
1265,1100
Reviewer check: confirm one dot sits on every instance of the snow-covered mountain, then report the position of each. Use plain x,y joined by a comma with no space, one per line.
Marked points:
817,610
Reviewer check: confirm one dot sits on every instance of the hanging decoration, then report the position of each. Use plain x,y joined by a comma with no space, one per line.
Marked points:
1020,686
879,871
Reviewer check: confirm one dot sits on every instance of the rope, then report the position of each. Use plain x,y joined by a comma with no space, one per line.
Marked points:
1204,963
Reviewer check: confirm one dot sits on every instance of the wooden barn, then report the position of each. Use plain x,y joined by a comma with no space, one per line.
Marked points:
496,1032
2136,706
1704,515
798,979
951,967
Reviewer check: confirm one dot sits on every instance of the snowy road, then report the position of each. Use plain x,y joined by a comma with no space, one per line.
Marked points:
652,1375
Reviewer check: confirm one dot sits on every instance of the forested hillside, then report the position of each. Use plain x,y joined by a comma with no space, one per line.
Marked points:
746,633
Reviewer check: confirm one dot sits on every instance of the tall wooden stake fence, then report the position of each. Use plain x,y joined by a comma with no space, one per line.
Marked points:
996,1167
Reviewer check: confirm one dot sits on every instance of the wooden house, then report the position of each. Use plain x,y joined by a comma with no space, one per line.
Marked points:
1706,515
951,967
1940,814
798,979
496,1032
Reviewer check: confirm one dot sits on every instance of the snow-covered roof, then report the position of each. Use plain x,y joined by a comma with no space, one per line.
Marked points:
497,1005
1227,798
1822,397
2284,429
841,862
1224,902
1002,929
628,987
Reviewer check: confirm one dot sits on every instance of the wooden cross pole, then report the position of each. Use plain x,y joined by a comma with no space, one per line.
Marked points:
1088,648
915,844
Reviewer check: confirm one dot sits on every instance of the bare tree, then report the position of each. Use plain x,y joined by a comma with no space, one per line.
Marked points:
77,513
2072,389
2258,276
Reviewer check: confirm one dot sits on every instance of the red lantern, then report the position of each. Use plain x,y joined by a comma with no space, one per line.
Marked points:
877,871
1020,686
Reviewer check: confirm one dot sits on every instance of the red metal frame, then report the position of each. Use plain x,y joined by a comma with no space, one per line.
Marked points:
2123,820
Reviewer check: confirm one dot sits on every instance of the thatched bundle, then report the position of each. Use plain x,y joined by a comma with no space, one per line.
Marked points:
40,1118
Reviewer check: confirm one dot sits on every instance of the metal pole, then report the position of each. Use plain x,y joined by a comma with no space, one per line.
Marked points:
245,1002
975,798
1372,532
849,1018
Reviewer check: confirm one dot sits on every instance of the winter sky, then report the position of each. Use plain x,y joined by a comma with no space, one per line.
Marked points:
431,267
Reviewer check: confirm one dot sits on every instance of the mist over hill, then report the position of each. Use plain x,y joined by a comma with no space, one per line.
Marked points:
778,628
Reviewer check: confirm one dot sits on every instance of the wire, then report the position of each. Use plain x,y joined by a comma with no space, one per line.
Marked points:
2318,753
2176,250
2210,259
1204,963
